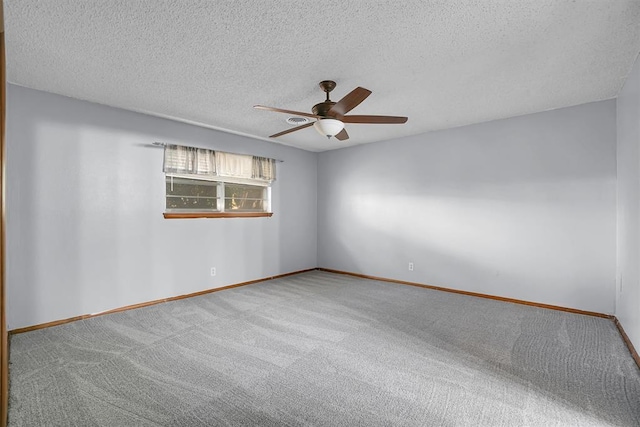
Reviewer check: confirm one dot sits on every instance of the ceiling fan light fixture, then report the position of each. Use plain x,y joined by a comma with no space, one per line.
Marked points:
328,127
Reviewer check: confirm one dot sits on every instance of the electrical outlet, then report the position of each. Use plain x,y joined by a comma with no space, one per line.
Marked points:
213,271
410,266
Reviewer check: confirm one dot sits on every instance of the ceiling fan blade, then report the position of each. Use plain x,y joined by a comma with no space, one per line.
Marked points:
284,132
280,110
374,119
350,101
342,135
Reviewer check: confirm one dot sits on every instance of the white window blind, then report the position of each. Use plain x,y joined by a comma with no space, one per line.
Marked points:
264,169
189,160
234,165
218,165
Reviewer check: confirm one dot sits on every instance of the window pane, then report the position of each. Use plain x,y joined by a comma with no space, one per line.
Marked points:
244,198
191,187
191,203
244,191
244,205
191,194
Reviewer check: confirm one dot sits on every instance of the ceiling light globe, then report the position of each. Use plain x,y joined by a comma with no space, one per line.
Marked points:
328,127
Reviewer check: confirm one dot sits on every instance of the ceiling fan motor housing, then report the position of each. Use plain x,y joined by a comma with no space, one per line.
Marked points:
322,108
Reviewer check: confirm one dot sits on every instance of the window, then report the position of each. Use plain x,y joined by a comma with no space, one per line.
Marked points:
203,183
197,195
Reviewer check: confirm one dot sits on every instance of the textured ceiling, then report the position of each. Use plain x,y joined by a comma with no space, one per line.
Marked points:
441,63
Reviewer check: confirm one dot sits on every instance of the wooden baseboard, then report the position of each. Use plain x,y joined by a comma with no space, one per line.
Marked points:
627,341
473,294
148,303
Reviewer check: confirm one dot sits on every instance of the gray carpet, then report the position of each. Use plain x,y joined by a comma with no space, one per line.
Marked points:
328,350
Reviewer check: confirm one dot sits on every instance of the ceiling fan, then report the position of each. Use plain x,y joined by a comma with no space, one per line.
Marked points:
331,115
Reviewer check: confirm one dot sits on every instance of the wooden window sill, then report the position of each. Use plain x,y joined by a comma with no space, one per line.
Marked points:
186,215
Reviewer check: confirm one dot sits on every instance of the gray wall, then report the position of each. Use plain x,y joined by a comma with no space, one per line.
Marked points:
85,195
523,208
628,290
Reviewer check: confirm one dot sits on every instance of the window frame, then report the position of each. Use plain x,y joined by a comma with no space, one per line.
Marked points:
221,199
